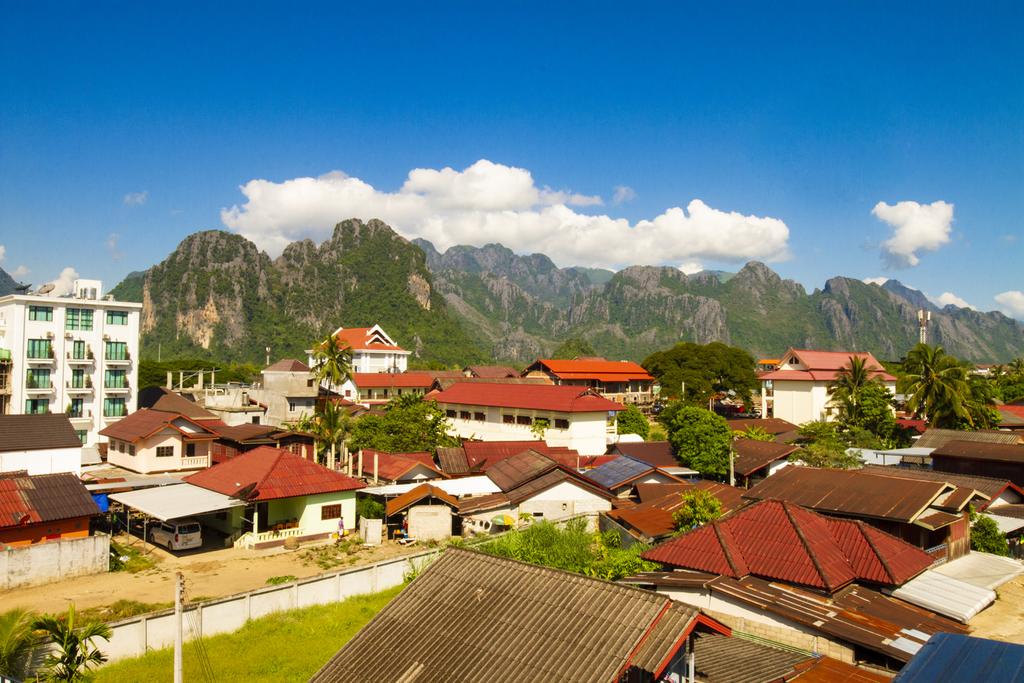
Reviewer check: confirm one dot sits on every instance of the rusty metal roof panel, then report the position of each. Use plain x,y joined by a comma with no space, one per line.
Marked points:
513,472
471,617
37,432
992,487
970,450
850,492
753,456
937,438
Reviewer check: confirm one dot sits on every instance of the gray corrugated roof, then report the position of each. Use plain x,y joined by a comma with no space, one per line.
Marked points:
937,438
720,659
618,471
473,617
37,432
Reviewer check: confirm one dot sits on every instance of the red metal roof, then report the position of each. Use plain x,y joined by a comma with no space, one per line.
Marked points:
392,466
287,365
388,380
600,370
782,541
267,473
39,498
146,422
562,399
824,366
421,492
364,338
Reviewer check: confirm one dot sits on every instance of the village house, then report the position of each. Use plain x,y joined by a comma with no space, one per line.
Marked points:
656,453
39,444
652,518
377,388
288,390
621,381
470,615
43,508
430,514
396,468
932,515
476,457
149,441
1005,461
568,416
534,486
286,496
623,474
798,390
373,351
754,460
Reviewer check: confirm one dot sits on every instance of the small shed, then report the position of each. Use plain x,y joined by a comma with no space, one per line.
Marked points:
429,513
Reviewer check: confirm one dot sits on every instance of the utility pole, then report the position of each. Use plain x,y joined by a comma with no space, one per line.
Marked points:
923,319
179,591
732,470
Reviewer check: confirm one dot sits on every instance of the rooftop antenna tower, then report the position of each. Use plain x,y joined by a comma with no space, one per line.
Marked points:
923,319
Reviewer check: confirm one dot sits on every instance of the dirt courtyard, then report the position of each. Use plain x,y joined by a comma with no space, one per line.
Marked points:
208,574
1004,620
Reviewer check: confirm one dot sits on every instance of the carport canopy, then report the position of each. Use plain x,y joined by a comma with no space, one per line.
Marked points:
176,501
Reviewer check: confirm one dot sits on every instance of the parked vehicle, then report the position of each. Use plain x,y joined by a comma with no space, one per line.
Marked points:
177,534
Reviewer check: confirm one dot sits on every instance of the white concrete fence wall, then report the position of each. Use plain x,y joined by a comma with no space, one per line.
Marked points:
136,636
54,560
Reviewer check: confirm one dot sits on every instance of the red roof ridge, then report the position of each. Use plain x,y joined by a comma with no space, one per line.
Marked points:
727,549
874,548
811,554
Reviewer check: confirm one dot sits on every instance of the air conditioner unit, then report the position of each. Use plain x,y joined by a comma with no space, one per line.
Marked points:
68,335
49,335
106,337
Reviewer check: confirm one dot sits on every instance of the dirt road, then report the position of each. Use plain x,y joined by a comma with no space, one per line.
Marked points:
208,574
1004,620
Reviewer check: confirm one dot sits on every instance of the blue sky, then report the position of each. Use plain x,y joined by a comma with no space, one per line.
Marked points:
125,127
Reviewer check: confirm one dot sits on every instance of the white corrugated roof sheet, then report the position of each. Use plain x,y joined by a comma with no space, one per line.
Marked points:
463,486
176,501
984,570
945,595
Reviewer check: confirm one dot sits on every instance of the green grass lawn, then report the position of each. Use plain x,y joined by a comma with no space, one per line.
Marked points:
289,646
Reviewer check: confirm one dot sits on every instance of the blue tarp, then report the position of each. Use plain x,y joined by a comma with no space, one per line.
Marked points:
102,501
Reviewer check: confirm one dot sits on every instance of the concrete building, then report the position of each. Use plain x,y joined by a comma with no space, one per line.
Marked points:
39,444
622,381
149,441
574,417
372,350
76,354
798,390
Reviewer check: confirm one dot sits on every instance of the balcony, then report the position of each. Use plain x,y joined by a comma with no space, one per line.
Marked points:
118,389
127,360
41,360
87,359
35,386
79,387
195,462
80,416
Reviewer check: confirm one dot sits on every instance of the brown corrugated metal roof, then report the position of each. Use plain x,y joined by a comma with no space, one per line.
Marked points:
473,617
453,460
172,402
147,421
42,498
936,519
656,453
850,492
475,504
651,522
992,487
421,492
772,425
828,670
492,371
37,432
753,456
937,438
970,450
519,469
723,659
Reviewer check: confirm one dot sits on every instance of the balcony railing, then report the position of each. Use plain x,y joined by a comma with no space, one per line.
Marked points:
84,359
195,462
37,384
80,414
126,359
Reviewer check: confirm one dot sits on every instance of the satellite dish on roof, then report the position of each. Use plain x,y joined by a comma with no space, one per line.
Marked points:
45,289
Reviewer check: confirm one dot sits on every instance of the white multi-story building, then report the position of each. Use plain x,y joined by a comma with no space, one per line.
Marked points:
76,354
372,350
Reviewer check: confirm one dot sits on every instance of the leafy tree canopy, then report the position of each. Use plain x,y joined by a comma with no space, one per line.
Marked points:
632,421
699,507
409,423
938,388
754,434
701,440
986,536
704,370
825,446
571,348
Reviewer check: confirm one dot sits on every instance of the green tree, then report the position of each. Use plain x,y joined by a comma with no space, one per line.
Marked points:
936,386
573,348
986,536
698,508
409,423
539,427
17,639
701,440
754,434
848,386
705,370
824,446
76,652
632,421
332,361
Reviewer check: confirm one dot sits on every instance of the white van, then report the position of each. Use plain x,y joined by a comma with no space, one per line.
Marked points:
177,534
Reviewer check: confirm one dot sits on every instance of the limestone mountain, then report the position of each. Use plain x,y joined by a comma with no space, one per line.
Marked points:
7,283
218,295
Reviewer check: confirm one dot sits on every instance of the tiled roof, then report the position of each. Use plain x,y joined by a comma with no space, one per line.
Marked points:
267,473
287,365
147,421
37,432
850,492
971,450
781,541
421,492
834,360
28,499
619,472
475,617
600,370
656,453
243,432
392,466
752,456
492,371
937,438
389,380
364,338
562,399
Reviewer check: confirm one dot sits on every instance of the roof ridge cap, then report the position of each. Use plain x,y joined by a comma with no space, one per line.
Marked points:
726,551
807,546
881,559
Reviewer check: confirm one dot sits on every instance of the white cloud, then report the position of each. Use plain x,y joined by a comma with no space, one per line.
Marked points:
20,272
136,198
916,227
64,284
947,298
3,252
489,202
623,194
691,267
1011,303
111,244
875,281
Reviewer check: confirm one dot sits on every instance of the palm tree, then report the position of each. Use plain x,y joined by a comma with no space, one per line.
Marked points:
1017,366
332,362
936,385
332,426
75,653
17,639
848,385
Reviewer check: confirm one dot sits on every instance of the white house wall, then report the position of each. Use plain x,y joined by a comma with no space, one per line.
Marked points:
45,461
587,432
564,499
